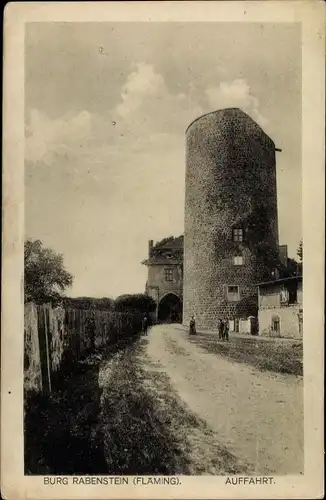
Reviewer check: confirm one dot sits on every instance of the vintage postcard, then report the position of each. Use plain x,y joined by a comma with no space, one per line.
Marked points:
163,250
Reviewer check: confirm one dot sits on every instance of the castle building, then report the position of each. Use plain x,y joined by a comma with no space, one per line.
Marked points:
231,223
230,242
165,278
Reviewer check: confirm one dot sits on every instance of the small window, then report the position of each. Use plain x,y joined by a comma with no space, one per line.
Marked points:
232,293
237,234
168,274
238,260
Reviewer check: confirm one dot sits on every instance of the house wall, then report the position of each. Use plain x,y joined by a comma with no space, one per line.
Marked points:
289,321
270,305
269,297
158,286
300,293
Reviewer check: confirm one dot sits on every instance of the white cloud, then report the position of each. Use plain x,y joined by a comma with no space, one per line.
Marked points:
148,113
235,94
123,166
47,139
148,107
140,84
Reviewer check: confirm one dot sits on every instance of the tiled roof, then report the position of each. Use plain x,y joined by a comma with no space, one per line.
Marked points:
281,280
162,261
172,244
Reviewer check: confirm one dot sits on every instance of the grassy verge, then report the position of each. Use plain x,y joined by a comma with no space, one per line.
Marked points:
117,414
148,430
62,432
274,355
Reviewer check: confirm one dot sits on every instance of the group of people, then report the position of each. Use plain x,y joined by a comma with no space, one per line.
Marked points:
222,327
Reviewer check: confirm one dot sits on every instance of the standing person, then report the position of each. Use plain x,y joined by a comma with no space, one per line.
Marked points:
145,324
192,326
226,329
220,329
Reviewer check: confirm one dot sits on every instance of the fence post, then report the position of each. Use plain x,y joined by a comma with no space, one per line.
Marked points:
45,355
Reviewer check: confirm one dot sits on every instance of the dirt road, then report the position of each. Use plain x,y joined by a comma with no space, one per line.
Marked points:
257,415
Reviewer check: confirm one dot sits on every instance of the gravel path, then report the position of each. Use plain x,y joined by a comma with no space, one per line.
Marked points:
258,415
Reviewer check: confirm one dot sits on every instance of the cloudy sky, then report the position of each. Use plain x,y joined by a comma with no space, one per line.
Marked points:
106,110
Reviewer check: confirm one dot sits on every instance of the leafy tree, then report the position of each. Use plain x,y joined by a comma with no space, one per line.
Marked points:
293,267
139,302
300,251
46,278
168,239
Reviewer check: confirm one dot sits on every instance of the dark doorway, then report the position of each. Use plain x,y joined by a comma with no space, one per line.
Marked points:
170,309
276,325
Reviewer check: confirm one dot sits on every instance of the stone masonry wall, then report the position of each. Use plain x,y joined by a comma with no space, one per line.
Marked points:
230,183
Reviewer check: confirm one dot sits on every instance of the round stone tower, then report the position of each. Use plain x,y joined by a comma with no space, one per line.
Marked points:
231,228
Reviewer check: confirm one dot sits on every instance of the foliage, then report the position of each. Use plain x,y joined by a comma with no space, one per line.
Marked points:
167,240
164,241
294,267
45,277
140,302
300,251
103,304
274,355
175,252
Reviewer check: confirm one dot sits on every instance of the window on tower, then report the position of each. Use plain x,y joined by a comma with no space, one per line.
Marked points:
237,234
168,274
232,293
238,260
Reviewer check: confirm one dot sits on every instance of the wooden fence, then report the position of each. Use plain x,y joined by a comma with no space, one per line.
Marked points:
53,333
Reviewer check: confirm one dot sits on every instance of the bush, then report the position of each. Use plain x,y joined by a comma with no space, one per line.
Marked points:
139,302
103,304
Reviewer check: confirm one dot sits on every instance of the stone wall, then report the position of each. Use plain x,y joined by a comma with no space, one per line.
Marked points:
230,183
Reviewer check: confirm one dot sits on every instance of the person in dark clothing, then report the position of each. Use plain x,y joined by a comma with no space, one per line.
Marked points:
145,325
226,330
192,326
220,329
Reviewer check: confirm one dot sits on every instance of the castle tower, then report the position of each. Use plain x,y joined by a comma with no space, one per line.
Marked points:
231,226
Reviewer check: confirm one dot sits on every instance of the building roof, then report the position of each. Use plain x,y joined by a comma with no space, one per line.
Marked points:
280,281
170,243
235,114
159,261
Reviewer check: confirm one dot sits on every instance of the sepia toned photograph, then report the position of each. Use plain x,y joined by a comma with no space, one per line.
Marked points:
164,252
163,242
